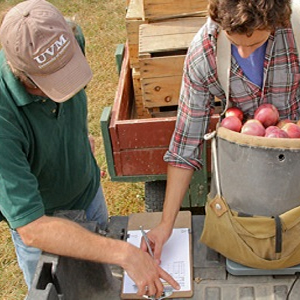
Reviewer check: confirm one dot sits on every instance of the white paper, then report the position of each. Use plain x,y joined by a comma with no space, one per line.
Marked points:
175,258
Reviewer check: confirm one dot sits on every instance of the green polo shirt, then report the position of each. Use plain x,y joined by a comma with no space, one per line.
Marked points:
46,163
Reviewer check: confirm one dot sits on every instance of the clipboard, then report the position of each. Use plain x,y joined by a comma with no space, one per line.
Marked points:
150,220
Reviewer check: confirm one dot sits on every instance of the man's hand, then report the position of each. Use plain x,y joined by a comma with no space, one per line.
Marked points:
157,238
146,273
64,237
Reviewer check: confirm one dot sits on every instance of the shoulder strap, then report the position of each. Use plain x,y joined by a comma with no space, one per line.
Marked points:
224,64
295,20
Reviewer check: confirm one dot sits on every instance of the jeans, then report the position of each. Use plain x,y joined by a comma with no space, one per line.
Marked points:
28,257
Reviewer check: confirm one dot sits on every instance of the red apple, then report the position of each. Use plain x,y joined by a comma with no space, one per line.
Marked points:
234,111
275,132
253,127
298,123
271,129
267,114
281,123
292,129
232,123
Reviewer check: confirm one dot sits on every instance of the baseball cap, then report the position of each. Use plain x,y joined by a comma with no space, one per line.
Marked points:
38,41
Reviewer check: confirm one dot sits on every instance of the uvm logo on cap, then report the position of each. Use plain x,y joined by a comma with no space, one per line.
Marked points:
38,41
54,51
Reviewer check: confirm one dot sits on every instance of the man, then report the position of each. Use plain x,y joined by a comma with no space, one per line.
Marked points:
264,69
46,162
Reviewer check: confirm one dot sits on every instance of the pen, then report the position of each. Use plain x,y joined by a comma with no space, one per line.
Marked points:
147,241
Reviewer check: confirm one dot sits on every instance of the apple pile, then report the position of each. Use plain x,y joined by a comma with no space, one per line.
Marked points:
265,123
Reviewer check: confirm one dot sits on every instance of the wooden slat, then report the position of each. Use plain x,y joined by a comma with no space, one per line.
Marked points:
136,79
168,36
172,26
149,161
156,112
122,105
119,54
145,133
161,80
161,66
165,43
104,124
134,18
140,111
118,164
132,30
143,162
135,10
162,92
156,9
134,56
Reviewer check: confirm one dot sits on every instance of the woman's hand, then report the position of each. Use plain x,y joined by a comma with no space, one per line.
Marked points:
157,238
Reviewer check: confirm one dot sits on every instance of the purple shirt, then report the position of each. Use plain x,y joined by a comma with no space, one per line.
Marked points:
252,66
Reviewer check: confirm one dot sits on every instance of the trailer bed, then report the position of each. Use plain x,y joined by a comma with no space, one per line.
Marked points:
78,280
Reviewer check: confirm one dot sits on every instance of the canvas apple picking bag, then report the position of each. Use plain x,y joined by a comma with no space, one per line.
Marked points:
253,208
252,212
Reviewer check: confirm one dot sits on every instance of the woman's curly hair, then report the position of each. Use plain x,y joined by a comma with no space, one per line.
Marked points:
245,16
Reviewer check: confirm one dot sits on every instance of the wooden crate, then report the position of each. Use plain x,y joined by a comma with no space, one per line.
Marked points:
162,50
141,111
158,9
134,18
138,145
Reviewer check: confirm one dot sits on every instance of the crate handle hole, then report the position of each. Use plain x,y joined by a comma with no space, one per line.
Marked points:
281,157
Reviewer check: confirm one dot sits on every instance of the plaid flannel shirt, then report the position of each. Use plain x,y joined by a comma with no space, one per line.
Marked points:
200,86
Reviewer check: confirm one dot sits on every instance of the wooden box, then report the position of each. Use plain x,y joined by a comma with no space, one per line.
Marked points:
162,50
138,145
158,9
134,18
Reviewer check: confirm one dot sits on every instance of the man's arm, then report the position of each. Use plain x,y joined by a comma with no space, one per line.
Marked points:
63,237
178,180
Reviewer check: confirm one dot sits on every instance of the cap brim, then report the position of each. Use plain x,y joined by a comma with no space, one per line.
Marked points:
67,81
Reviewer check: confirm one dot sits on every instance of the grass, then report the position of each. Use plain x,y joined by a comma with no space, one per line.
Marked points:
103,23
